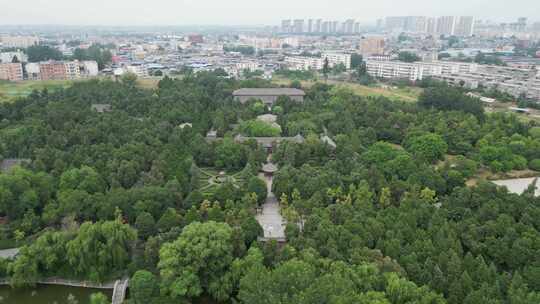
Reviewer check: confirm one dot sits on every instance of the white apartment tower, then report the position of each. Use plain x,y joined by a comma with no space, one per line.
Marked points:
310,26
431,27
446,25
298,26
464,26
417,24
348,26
286,26
318,26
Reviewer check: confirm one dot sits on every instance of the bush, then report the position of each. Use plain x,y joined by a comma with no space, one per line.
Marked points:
450,99
257,186
430,147
144,287
535,164
256,128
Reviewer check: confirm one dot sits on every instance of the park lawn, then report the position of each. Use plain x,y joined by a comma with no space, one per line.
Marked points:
148,83
485,173
10,90
152,82
409,94
500,107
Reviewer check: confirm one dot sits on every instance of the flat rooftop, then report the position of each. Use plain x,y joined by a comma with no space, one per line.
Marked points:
269,92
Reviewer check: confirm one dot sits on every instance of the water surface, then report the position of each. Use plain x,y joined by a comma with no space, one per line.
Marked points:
49,294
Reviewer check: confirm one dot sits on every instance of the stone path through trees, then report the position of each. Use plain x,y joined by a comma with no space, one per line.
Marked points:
270,218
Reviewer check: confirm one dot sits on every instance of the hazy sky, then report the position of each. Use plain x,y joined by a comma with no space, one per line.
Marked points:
247,12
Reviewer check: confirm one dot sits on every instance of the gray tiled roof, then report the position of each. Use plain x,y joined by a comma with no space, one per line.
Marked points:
269,168
8,163
101,108
269,92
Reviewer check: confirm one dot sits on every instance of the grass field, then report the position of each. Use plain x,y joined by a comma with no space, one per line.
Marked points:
501,107
148,83
11,90
404,94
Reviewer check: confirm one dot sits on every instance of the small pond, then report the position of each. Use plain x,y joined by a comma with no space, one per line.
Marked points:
49,294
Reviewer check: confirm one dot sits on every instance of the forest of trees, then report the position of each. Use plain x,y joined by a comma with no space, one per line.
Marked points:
386,217
96,52
243,49
408,57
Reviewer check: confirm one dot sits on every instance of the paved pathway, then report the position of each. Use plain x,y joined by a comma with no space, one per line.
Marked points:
270,219
9,253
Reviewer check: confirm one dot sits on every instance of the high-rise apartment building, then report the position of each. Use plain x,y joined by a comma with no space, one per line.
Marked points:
334,25
348,26
357,27
446,25
380,23
396,23
318,26
417,24
325,28
286,26
298,26
310,26
522,23
464,26
431,27
407,23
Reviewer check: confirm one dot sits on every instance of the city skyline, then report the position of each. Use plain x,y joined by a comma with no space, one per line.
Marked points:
243,12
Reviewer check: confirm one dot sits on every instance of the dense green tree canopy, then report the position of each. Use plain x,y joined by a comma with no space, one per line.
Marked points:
95,52
257,128
39,53
198,261
430,147
408,57
385,201
143,287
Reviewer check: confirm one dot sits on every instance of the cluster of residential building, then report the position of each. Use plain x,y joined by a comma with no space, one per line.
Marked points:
515,81
48,70
299,44
445,25
460,26
416,70
11,71
301,26
317,63
18,41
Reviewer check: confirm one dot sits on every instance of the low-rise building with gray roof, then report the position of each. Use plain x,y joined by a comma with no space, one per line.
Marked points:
268,95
